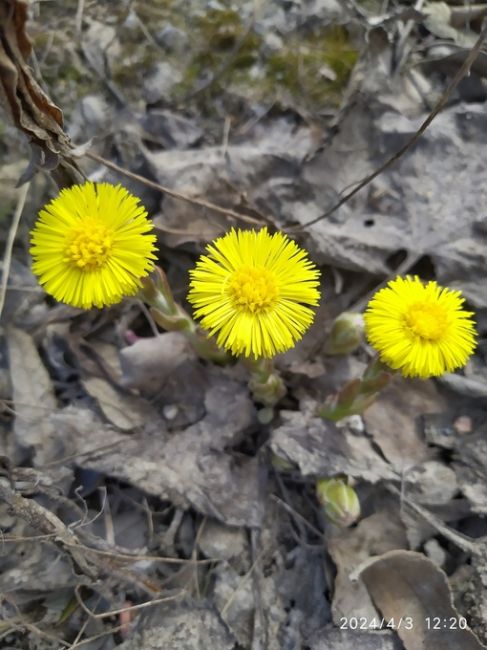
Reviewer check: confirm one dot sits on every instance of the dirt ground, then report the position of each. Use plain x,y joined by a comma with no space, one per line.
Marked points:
146,501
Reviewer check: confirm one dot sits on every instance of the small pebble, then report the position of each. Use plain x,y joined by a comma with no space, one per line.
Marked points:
170,411
265,415
463,425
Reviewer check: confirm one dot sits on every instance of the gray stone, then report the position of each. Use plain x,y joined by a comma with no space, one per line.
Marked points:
184,628
159,84
222,542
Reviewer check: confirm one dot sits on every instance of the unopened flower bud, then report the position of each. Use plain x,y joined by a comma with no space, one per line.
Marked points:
346,334
339,501
156,292
267,391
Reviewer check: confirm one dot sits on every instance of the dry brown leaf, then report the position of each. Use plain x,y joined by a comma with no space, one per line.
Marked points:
374,535
125,411
190,465
33,396
149,362
405,584
392,421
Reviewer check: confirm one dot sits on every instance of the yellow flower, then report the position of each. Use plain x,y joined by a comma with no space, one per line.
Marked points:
420,329
90,245
252,289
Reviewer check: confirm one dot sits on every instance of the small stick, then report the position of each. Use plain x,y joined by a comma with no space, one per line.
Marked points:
12,233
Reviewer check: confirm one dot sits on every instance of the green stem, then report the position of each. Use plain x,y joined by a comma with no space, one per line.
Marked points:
358,394
167,313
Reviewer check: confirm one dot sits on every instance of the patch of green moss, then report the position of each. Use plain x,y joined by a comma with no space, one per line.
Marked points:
153,11
136,61
67,74
224,47
40,40
374,6
312,70
220,29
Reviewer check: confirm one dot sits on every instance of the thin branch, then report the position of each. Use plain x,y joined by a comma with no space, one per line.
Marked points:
298,516
460,540
401,51
242,582
175,195
116,555
148,558
112,630
12,233
115,612
78,25
464,69
81,454
46,522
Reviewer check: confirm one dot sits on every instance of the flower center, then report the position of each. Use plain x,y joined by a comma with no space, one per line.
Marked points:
426,320
253,288
89,245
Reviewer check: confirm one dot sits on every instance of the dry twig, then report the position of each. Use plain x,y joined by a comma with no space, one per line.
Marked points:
7,260
131,608
175,195
462,72
46,522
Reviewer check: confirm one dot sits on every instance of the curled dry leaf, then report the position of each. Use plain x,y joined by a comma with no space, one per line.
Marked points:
383,531
26,104
408,587
148,364
124,410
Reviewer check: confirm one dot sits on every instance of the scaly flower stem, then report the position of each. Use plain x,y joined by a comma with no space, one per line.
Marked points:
358,394
166,312
265,383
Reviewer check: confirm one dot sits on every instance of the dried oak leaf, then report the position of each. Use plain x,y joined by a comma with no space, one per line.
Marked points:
26,104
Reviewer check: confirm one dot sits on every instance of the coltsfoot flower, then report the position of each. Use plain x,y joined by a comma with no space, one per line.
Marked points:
91,245
252,291
420,329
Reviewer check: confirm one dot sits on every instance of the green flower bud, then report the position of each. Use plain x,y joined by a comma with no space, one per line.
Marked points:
339,501
346,333
282,464
268,392
156,292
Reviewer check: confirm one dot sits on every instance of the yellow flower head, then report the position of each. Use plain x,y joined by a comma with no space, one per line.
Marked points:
252,289
420,329
90,245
